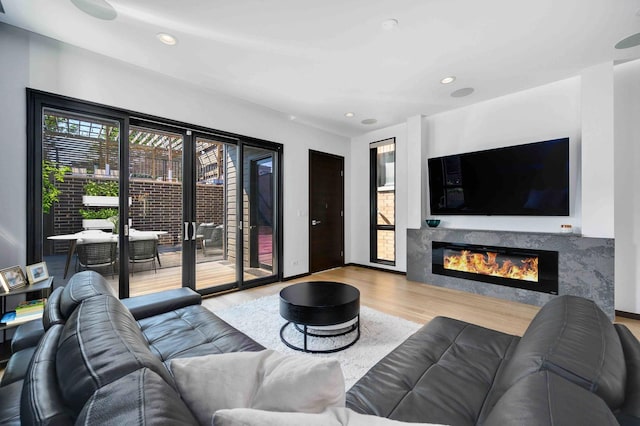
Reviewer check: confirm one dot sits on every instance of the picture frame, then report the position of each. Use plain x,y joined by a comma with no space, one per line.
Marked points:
12,278
37,272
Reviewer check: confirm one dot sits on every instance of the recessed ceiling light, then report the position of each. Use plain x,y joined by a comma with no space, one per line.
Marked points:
389,24
369,121
97,8
292,117
167,39
462,92
349,114
631,41
448,80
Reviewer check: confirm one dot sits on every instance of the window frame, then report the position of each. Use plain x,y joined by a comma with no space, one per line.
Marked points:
374,227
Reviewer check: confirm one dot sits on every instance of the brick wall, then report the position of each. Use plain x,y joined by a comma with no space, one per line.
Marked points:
155,206
386,239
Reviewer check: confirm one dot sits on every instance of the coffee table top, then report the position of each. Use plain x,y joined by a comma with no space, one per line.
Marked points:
319,303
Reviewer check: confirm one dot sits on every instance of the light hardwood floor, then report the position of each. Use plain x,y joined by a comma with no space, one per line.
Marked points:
418,302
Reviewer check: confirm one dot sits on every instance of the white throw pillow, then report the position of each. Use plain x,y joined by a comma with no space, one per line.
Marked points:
264,380
335,416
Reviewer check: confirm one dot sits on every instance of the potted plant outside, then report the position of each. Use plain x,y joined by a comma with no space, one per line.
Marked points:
101,194
98,219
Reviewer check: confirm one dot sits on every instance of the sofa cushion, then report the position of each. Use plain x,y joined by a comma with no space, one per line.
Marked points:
193,331
544,398
572,337
335,416
52,314
440,374
264,380
100,343
81,286
161,302
10,404
139,398
41,403
631,348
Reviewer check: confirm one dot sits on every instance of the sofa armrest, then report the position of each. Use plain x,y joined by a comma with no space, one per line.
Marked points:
152,304
17,366
27,335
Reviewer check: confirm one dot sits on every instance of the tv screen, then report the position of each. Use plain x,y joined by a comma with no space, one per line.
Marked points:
530,179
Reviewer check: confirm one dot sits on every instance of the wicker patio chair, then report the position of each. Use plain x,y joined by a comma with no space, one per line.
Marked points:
210,236
143,250
99,254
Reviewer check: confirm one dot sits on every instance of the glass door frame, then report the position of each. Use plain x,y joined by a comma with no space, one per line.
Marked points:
190,167
278,202
38,100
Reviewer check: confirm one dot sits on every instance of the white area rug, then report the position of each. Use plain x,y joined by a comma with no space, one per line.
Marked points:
379,334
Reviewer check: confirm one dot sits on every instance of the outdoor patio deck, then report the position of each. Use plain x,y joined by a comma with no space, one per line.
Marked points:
210,271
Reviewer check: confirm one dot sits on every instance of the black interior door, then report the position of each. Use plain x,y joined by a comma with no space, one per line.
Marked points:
326,211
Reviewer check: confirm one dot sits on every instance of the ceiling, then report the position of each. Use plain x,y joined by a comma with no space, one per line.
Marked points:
314,61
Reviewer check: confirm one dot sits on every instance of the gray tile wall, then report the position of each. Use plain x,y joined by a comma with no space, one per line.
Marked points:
586,265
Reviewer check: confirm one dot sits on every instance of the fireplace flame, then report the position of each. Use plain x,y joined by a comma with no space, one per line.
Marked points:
478,263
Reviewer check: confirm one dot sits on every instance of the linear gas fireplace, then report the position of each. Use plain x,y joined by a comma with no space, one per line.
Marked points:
535,270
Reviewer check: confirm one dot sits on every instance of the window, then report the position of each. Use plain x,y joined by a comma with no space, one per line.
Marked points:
383,202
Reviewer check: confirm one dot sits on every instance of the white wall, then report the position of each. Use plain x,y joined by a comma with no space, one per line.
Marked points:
13,79
359,215
597,151
627,182
48,65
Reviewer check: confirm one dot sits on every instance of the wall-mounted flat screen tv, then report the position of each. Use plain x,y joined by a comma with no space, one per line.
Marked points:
530,179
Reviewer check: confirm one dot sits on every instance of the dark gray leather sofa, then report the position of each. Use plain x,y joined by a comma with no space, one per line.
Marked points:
99,360
571,367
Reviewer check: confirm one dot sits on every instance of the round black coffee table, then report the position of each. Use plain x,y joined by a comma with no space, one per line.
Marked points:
319,304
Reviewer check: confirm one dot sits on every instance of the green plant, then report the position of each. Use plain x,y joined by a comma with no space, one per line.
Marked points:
114,220
98,214
51,173
108,189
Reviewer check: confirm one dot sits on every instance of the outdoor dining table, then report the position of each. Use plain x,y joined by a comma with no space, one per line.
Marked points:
73,240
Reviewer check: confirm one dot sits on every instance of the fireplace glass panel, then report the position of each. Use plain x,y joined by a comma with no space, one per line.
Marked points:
492,263
528,269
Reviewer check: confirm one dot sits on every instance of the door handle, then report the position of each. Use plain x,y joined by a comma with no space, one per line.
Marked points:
193,228
186,231
315,222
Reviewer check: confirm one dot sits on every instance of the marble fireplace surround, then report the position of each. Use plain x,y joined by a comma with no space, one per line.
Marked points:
585,264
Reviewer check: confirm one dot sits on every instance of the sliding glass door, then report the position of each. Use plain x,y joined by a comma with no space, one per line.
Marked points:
150,204
259,213
155,235
215,217
80,172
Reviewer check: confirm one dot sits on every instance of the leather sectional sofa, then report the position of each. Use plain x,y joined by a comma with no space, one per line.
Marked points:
98,360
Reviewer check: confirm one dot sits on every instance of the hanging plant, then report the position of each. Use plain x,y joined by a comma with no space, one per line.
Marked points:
98,214
105,189
51,173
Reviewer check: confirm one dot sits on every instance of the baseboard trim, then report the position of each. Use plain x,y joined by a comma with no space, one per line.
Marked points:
629,315
295,277
376,268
